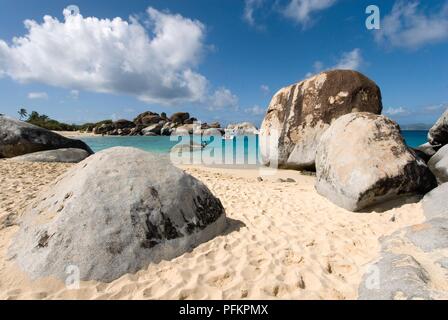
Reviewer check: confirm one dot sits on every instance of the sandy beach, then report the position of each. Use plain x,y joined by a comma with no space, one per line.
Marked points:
283,241
76,134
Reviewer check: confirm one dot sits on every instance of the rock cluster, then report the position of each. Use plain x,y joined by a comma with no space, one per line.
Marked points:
331,123
298,115
154,124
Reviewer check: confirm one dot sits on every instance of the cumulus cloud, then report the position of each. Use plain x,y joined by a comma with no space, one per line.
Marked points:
409,26
351,60
221,99
112,56
255,110
301,11
37,95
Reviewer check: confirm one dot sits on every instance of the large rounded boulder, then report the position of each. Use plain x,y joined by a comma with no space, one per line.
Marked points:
180,117
362,160
18,138
147,118
438,135
298,115
439,164
113,214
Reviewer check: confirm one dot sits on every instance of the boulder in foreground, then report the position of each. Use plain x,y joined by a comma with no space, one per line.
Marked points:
114,213
435,203
58,155
362,160
439,132
298,115
402,272
18,138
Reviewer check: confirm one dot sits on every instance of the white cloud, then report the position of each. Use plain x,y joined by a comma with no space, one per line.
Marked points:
410,27
350,60
250,6
255,110
37,95
396,111
302,10
221,99
112,56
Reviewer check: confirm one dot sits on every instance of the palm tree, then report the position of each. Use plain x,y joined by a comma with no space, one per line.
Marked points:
22,113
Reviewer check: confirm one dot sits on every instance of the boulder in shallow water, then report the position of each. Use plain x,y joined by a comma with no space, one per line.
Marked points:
154,129
438,134
18,138
242,129
439,165
114,213
298,115
362,160
58,155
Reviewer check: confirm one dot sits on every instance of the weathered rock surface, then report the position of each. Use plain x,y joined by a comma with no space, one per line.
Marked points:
399,272
435,203
88,219
298,115
395,277
58,155
362,160
439,132
439,164
18,138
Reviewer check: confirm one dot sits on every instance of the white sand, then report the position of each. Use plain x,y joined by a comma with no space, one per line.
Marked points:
284,241
76,134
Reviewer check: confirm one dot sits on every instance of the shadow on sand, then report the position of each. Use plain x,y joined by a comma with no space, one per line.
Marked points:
392,204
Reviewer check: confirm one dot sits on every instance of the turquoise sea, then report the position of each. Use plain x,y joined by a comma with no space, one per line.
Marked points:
239,148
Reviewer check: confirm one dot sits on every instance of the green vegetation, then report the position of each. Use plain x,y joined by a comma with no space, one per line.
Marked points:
44,121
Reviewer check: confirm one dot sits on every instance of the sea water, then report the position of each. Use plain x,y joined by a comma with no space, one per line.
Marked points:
241,150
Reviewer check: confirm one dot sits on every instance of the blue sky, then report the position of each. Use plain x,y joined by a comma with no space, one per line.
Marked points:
216,59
